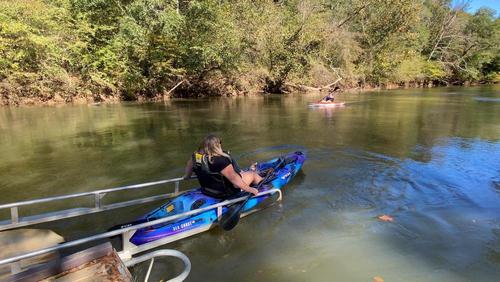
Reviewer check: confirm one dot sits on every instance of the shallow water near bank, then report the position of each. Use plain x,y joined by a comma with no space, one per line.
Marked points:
430,158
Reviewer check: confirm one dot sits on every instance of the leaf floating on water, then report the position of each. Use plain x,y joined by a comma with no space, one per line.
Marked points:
386,218
378,279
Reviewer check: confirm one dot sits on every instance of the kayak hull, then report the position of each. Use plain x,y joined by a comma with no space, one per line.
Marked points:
195,199
326,105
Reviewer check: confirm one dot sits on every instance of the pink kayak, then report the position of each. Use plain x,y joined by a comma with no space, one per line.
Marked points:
326,105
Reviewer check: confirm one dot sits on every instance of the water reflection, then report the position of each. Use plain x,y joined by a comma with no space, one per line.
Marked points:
487,99
327,112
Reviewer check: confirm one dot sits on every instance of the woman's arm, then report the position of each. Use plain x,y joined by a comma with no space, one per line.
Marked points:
236,179
188,171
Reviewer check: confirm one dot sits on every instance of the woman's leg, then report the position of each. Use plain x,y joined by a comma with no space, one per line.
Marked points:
251,177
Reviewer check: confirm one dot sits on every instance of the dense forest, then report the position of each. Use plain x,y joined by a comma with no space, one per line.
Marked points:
111,50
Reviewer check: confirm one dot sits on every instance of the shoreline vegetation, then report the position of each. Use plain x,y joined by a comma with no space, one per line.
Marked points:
92,51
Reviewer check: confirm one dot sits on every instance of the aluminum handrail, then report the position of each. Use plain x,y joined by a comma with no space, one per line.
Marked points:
161,253
17,221
103,191
132,228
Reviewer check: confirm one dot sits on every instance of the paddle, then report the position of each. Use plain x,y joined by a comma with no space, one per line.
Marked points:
231,217
230,220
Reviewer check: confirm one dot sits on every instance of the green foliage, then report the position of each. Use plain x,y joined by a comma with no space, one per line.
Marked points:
37,41
103,49
482,45
209,40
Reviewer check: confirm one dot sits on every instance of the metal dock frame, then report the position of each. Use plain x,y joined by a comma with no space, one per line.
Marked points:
16,221
129,249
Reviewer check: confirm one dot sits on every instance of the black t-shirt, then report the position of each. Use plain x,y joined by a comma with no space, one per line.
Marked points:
213,183
329,97
218,163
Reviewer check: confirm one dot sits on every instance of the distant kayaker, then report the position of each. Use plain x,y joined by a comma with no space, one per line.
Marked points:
331,95
217,172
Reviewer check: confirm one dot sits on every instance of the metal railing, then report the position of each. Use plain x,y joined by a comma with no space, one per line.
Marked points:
162,253
130,249
16,221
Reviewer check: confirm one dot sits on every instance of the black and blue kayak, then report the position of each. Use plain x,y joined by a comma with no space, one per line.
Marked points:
283,169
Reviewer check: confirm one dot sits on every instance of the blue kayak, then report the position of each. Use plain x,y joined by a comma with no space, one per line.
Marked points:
283,169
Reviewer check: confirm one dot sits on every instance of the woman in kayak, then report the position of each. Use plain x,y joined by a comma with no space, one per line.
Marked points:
217,172
330,97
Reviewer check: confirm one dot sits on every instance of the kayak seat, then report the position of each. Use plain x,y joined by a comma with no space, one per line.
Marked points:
197,204
290,160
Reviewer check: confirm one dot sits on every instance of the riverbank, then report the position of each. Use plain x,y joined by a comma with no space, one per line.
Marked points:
189,91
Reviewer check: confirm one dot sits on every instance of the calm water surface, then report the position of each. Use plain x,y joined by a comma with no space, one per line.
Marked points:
429,158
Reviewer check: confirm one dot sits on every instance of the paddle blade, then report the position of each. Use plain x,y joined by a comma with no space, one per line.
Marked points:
229,223
231,218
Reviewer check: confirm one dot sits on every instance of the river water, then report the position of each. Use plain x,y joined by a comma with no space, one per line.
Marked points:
429,158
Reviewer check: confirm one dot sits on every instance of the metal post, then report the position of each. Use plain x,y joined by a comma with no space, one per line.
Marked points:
219,212
14,215
126,245
97,197
176,187
15,267
149,269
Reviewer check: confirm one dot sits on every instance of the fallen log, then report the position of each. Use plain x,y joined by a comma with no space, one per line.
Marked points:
310,88
331,84
173,88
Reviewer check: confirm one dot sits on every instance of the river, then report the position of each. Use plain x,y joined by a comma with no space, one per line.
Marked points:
429,158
